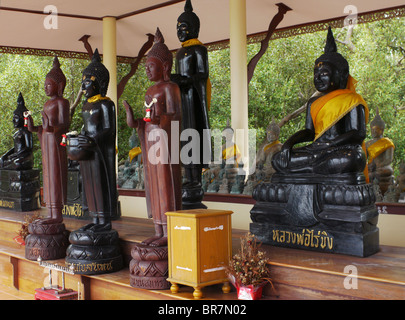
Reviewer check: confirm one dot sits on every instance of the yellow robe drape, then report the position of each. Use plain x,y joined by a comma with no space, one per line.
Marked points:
327,110
378,147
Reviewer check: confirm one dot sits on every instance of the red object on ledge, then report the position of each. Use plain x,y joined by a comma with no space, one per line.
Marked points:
55,294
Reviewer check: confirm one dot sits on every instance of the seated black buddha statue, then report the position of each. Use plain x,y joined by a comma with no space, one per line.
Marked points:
319,197
335,125
19,181
19,157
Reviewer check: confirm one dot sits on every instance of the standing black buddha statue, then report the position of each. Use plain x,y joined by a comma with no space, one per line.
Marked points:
192,76
320,191
94,248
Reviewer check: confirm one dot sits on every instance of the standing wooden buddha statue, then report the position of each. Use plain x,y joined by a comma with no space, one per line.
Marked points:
162,171
55,123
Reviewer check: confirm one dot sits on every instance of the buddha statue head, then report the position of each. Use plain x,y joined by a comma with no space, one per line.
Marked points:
55,80
188,23
272,131
331,71
159,59
95,77
228,132
377,126
18,115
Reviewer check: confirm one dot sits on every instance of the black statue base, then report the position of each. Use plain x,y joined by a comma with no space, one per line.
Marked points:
20,190
75,206
192,197
94,252
331,217
149,267
48,241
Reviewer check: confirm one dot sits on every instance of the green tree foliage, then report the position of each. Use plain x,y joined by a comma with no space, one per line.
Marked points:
282,82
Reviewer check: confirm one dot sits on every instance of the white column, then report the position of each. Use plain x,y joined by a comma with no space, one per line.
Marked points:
110,55
110,62
238,61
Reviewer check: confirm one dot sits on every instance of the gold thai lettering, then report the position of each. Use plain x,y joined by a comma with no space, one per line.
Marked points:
72,210
93,267
306,238
6,204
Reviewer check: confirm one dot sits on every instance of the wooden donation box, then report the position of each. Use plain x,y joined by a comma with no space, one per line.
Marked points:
200,246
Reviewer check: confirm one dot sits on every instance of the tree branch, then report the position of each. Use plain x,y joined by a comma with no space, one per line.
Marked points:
282,9
297,112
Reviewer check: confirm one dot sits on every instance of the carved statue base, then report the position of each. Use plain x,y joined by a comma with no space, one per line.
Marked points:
94,252
48,241
149,267
192,197
19,189
333,217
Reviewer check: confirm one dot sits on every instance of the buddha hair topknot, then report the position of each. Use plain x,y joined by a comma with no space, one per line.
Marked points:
190,17
378,121
99,71
56,74
160,51
334,58
21,108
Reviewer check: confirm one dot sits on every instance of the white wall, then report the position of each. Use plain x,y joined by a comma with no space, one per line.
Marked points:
392,226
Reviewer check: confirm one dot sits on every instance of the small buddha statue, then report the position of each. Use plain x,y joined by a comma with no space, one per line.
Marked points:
335,124
230,152
19,157
380,151
268,148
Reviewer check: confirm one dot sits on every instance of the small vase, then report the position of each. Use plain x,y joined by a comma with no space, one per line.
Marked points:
248,292
19,240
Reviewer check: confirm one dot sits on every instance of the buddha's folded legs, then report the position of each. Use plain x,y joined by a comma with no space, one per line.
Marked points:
334,160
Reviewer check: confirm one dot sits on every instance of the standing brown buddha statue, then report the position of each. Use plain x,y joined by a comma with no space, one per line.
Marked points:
161,166
95,247
192,76
47,236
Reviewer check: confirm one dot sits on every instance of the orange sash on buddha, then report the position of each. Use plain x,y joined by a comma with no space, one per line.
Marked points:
378,147
327,110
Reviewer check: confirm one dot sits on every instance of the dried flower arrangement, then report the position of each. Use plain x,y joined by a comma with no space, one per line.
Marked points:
249,266
23,232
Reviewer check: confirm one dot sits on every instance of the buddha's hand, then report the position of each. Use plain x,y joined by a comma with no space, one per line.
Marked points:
86,142
29,122
132,123
45,123
284,157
